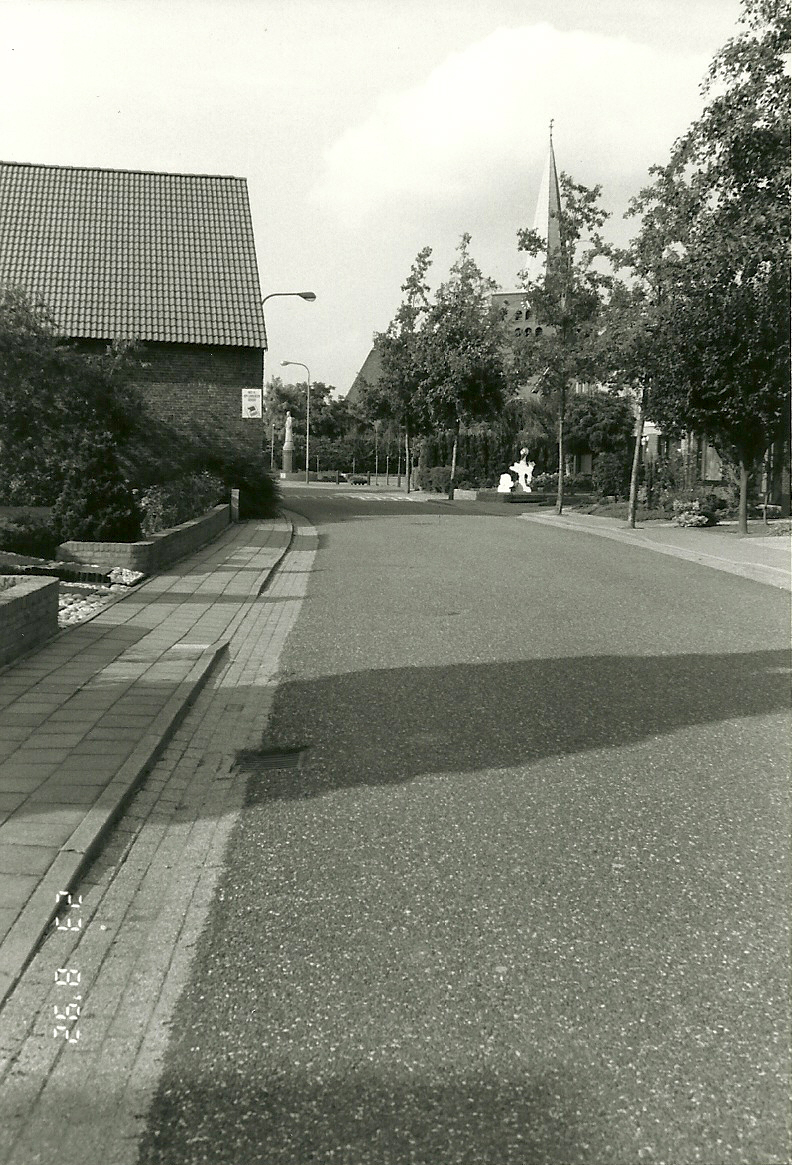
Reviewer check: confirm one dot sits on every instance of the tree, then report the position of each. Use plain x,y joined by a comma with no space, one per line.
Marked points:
599,422
52,395
568,299
397,395
461,351
724,201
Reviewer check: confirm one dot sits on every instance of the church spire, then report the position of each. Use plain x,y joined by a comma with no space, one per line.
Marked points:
547,221
553,234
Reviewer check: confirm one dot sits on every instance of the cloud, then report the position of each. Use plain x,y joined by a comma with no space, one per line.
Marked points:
485,112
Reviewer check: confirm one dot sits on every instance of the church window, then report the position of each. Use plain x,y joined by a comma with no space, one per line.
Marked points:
538,332
518,315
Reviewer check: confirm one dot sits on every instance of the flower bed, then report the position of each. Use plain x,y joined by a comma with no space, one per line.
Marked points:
153,553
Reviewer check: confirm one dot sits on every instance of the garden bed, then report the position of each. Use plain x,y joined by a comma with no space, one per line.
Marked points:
153,553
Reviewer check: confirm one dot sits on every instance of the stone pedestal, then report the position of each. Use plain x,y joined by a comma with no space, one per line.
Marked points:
288,457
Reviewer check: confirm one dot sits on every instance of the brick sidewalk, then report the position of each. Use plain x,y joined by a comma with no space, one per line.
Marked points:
83,718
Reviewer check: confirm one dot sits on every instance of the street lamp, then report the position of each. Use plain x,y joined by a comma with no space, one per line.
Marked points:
299,364
310,296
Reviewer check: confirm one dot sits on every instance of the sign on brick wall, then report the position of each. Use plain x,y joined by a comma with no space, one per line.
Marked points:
251,402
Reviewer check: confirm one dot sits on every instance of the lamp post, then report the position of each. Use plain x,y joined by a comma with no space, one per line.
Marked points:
310,296
299,364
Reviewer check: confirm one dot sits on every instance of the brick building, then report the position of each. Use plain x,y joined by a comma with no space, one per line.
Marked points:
167,260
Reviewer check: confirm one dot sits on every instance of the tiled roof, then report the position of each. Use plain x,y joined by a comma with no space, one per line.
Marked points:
122,254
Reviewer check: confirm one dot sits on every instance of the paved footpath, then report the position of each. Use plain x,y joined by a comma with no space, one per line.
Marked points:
82,1098
764,559
83,719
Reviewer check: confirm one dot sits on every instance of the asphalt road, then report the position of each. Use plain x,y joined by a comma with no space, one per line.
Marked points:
526,900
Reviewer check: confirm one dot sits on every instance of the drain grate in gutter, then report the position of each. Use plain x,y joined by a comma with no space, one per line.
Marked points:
261,760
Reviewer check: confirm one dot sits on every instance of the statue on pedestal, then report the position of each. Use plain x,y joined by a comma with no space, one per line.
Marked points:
524,470
288,444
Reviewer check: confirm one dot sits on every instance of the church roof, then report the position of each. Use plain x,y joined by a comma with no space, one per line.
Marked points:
370,373
123,254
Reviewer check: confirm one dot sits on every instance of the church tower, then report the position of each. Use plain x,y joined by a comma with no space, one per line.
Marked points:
547,223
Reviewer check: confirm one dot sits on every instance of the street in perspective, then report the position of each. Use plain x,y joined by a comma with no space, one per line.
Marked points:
395,583
442,863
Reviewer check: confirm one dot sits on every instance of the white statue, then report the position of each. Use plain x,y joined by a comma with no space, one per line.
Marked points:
506,483
288,442
524,470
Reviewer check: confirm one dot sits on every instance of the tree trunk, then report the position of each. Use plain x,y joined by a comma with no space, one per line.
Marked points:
407,464
454,462
636,462
398,458
742,513
561,410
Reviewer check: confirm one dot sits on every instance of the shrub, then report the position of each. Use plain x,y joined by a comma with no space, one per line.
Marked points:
35,537
690,513
611,476
180,500
545,482
580,483
259,496
435,480
97,503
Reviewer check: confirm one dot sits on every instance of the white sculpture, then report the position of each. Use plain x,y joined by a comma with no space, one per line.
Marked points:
506,483
524,470
288,442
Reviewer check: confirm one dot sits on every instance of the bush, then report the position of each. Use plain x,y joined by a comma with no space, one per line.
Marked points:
259,496
97,503
435,480
690,513
580,483
35,537
611,476
545,482
181,500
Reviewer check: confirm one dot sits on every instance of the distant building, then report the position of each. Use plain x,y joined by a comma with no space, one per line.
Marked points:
369,374
519,316
165,259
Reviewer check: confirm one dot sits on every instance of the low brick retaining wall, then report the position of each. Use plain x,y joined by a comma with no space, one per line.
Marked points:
157,551
28,614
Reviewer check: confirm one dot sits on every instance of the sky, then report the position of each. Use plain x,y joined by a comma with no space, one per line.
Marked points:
366,129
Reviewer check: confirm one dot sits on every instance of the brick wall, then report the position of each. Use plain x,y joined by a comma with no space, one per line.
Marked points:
28,614
154,553
201,384
196,384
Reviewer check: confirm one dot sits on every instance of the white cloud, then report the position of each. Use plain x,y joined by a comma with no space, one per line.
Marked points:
485,111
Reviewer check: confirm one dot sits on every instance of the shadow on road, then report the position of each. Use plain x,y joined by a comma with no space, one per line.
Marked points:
368,1118
387,726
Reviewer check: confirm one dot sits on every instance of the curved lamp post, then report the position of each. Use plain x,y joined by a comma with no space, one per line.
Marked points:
299,364
310,296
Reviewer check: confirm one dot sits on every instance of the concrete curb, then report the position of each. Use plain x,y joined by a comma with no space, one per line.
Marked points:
22,940
768,575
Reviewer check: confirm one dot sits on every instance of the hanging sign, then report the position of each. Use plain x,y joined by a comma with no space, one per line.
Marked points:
251,402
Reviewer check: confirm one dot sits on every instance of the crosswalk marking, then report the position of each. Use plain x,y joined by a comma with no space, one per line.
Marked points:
380,497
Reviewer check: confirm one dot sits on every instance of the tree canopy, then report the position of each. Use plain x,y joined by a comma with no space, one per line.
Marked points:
721,209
